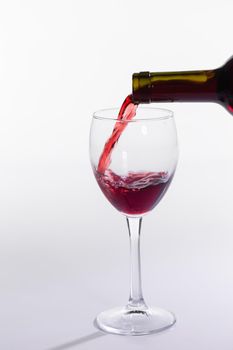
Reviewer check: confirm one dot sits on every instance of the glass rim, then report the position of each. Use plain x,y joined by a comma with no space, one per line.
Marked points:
168,114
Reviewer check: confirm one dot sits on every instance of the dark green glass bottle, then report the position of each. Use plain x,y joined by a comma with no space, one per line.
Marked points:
214,85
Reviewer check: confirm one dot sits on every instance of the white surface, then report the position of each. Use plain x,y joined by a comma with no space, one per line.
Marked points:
64,250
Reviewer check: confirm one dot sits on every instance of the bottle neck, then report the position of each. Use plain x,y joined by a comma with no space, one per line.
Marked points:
190,86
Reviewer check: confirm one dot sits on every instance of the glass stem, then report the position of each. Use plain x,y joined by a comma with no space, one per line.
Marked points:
136,297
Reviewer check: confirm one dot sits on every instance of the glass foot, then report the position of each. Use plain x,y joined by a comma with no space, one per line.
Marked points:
134,321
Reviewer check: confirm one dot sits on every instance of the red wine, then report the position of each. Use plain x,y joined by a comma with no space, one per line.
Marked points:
126,113
214,85
135,193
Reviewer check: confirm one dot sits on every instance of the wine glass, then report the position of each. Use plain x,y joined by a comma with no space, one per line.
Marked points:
141,166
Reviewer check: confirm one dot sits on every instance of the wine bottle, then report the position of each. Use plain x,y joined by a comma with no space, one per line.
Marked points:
214,85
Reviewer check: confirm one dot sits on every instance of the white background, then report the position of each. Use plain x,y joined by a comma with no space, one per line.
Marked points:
63,248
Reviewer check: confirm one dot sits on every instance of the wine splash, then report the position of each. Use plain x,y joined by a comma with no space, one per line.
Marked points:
136,193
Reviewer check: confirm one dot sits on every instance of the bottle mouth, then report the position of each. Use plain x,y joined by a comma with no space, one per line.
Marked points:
141,83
